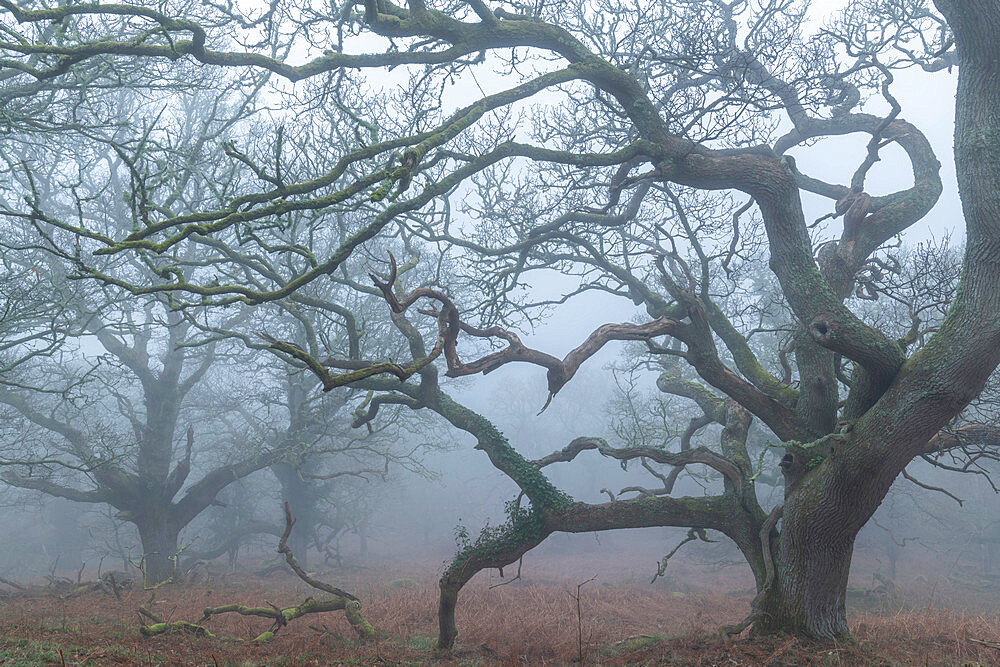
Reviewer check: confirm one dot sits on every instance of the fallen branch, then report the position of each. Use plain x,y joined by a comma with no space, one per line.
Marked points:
280,616
176,626
12,584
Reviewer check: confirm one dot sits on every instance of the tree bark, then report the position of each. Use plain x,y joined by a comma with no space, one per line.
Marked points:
808,597
828,500
448,600
159,551
824,515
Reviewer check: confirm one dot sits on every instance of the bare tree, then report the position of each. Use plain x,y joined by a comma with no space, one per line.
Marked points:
142,470
323,452
653,102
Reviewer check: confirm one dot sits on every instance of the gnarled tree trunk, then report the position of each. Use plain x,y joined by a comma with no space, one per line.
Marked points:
159,550
808,595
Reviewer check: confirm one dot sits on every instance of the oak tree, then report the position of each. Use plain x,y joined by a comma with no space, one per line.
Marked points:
645,111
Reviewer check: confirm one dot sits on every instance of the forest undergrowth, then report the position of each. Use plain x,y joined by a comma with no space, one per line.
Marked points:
527,621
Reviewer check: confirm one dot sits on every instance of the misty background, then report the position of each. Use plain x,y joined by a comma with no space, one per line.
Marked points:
411,489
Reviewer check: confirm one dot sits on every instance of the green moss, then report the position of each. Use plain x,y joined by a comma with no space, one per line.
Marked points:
263,637
382,191
357,621
536,486
494,541
423,642
162,628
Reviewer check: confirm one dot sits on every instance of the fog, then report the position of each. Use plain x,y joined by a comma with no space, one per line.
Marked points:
510,333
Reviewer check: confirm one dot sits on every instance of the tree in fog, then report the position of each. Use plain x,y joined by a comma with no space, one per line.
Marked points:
322,454
145,366
140,469
37,311
654,122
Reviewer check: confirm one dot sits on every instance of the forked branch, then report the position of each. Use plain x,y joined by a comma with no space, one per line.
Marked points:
560,371
280,616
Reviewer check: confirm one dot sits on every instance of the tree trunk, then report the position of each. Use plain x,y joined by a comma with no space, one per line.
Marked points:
300,496
504,549
159,551
823,514
809,594
447,630
363,537
895,551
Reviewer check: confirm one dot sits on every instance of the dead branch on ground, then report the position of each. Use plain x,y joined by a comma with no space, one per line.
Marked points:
280,616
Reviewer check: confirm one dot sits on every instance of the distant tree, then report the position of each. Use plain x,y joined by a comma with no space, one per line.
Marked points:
323,451
88,454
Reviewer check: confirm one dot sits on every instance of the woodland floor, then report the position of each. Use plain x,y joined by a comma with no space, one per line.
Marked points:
532,621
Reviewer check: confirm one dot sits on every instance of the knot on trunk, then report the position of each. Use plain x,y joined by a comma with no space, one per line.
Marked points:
822,330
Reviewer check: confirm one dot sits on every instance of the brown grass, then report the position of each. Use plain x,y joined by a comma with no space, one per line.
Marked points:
533,621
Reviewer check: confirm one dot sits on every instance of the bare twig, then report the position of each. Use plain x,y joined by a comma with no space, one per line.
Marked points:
520,562
579,619
692,535
946,492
